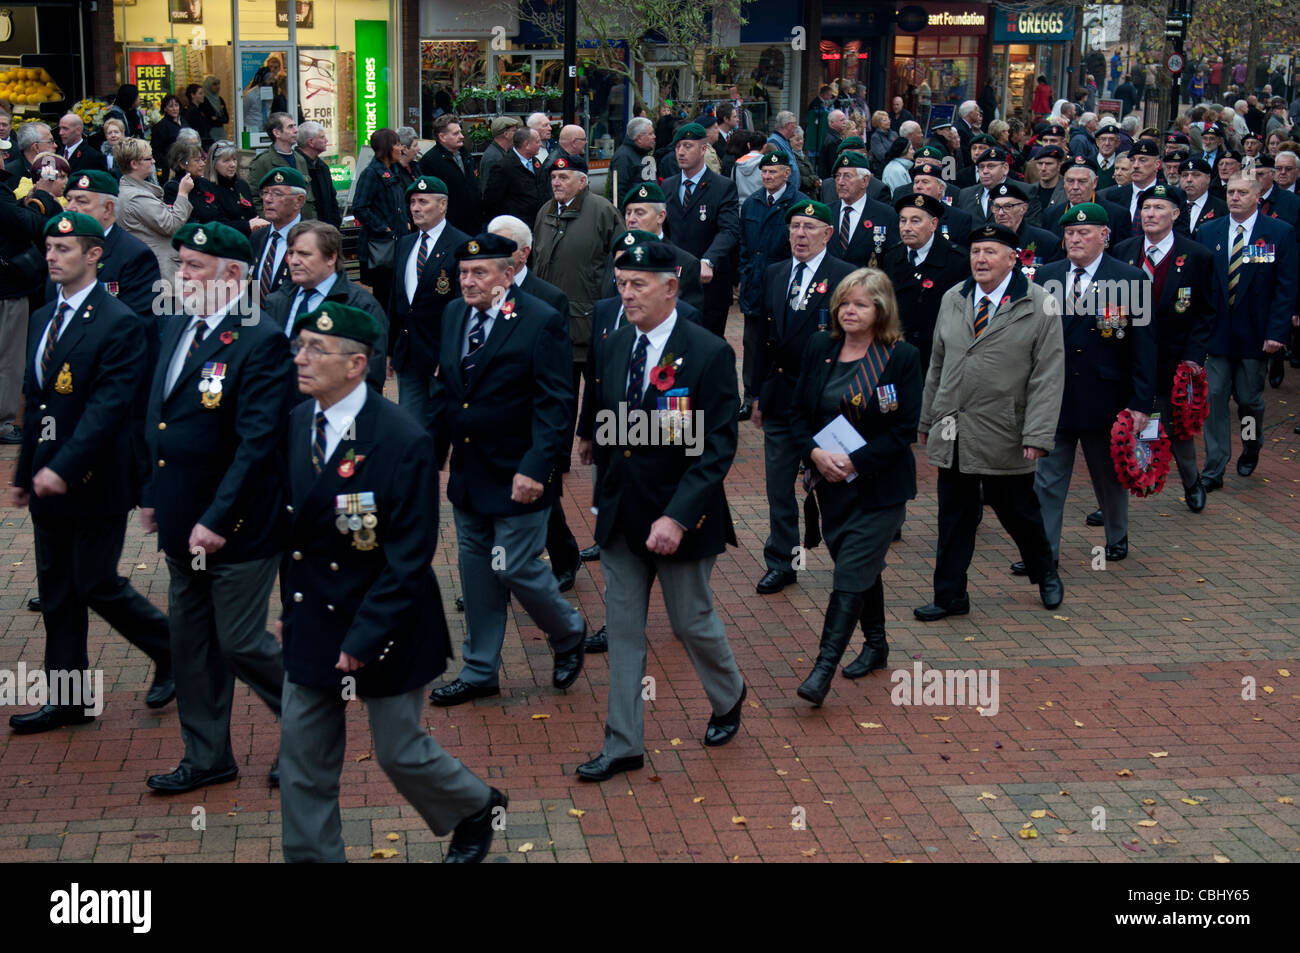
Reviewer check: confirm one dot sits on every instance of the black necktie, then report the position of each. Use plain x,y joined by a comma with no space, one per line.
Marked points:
52,338
636,371
200,332
318,443
689,187
911,257
477,335
770,199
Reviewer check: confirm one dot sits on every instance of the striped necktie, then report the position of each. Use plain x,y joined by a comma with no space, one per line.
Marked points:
1076,295
200,332
1234,264
636,371
52,339
318,443
796,283
476,339
688,189
268,267
1149,261
845,231
982,316
421,256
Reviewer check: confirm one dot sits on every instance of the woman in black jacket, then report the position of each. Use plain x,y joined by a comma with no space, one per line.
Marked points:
213,108
379,205
221,195
184,158
194,116
163,135
864,372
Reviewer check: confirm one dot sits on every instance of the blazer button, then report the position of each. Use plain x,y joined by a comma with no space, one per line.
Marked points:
289,508
467,439
780,370
297,555
162,463
334,567
297,597
331,608
464,406
627,453
162,426
42,406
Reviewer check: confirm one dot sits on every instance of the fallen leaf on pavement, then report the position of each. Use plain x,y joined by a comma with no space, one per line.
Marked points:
675,742
1220,859
986,796
393,837
697,800
739,819
1147,823
810,852
540,717
1286,800
1124,773
576,812
1037,814
1158,754
383,853
869,724
364,756
525,848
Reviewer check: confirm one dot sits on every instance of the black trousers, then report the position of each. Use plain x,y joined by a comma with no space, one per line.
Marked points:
960,511
560,542
76,570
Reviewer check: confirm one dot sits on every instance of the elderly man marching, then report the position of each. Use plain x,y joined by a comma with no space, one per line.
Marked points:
991,405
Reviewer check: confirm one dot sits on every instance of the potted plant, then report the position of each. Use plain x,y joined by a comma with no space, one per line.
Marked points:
475,100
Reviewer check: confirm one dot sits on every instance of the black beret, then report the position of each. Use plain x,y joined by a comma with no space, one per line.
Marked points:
1264,161
926,203
993,233
1196,164
648,256
1145,147
1009,189
993,155
1083,162
923,167
1053,130
1177,138
1049,152
569,163
1170,193
486,245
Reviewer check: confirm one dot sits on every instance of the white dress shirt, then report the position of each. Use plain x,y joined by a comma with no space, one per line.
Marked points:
73,301
1089,269
995,297
520,275
1195,209
340,419
1133,202
810,269
187,338
923,251
1163,248
412,259
1232,232
305,301
655,341
488,324
281,246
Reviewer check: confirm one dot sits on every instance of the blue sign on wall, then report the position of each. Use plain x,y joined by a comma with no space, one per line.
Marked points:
1052,25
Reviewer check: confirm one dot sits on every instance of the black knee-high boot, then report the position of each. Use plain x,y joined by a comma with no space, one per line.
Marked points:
875,653
841,618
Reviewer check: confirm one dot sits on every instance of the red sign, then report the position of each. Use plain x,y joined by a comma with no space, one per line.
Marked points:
151,72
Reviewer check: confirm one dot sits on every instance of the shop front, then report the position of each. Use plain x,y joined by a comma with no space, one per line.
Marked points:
938,53
1027,45
41,59
854,41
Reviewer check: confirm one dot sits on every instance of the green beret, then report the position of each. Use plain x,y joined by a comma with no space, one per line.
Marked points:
852,142
692,130
283,175
73,223
648,256
93,180
340,321
775,158
634,236
810,209
645,192
1085,213
931,152
851,160
213,238
1167,193
426,184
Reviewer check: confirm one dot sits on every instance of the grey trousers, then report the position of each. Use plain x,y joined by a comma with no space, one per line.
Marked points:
1243,380
415,394
780,469
1052,483
1184,450
500,556
14,313
313,737
217,619
689,601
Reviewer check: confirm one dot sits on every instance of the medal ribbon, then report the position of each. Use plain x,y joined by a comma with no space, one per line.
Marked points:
863,385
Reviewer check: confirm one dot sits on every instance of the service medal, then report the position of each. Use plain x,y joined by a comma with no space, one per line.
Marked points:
63,383
341,524
704,215
210,384
444,285
365,540
354,522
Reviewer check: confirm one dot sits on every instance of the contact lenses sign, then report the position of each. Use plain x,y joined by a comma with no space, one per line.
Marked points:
372,77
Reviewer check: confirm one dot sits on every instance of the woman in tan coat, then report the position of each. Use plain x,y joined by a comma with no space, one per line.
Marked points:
140,206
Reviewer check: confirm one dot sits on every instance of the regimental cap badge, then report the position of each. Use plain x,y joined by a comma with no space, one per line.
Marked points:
200,237
638,254
324,322
629,239
919,202
809,210
83,182
642,192
1082,216
422,185
65,225
473,248
279,178
561,163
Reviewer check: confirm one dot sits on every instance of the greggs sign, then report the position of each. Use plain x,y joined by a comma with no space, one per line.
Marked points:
1053,25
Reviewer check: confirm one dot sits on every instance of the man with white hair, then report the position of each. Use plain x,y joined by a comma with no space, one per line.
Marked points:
1238,118
830,147
80,154
786,123
912,132
542,123
282,192
312,144
30,139
968,122
218,411
634,160
1286,165
1081,137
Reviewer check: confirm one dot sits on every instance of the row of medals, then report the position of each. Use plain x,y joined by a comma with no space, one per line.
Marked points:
361,526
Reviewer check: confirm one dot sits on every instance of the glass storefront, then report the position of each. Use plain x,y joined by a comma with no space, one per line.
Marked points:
946,66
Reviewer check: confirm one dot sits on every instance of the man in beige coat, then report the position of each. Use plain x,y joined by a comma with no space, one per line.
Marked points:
992,400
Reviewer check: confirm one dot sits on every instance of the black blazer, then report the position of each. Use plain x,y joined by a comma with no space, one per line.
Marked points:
381,605
223,466
258,241
515,414
229,202
1214,208
1048,246
715,237
1183,322
80,434
416,331
1103,375
464,211
886,467
513,190
786,333
85,157
689,288
641,482
539,288
280,302
1282,204
862,243
1120,226
128,270
919,290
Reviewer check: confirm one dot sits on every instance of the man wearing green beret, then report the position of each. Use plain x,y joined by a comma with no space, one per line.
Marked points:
280,154
218,408
76,473
863,226
283,192
875,187
646,209
364,617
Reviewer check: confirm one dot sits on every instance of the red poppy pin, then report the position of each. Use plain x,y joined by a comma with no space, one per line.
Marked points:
821,288
508,310
1261,242
229,337
1006,299
209,197
866,223
927,284
387,175
1180,260
349,463
665,374
1027,255
244,202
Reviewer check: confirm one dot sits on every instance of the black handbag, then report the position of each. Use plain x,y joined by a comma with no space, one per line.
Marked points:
380,253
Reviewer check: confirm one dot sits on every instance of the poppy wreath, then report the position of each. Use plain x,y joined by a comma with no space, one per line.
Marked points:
1189,403
1140,466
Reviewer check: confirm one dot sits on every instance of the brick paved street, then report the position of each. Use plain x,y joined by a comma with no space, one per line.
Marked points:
1127,700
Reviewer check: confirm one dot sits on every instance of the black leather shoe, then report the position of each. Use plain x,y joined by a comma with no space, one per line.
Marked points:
185,779
933,612
458,692
1018,567
1052,590
722,728
746,410
460,603
34,604
1118,551
602,767
273,778
898,535
48,718
1212,485
163,689
599,641
568,664
1094,519
15,435
1195,496
566,579
473,836
1276,370
1247,462
774,580
590,554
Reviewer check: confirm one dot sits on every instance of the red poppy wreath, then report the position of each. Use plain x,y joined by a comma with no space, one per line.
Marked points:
1140,465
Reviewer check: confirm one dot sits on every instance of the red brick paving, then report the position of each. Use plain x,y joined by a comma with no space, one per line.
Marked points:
1145,658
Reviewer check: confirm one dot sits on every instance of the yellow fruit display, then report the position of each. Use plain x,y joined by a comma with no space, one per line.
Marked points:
28,86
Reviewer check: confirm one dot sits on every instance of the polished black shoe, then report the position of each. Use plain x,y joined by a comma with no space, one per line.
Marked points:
1195,496
15,435
602,767
184,779
746,410
598,641
933,612
458,692
473,836
590,554
568,664
1276,370
273,778
774,580
1249,459
722,728
163,689
49,717
1018,567
1118,551
1212,485
34,604
460,603
566,579
1052,590
1094,519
